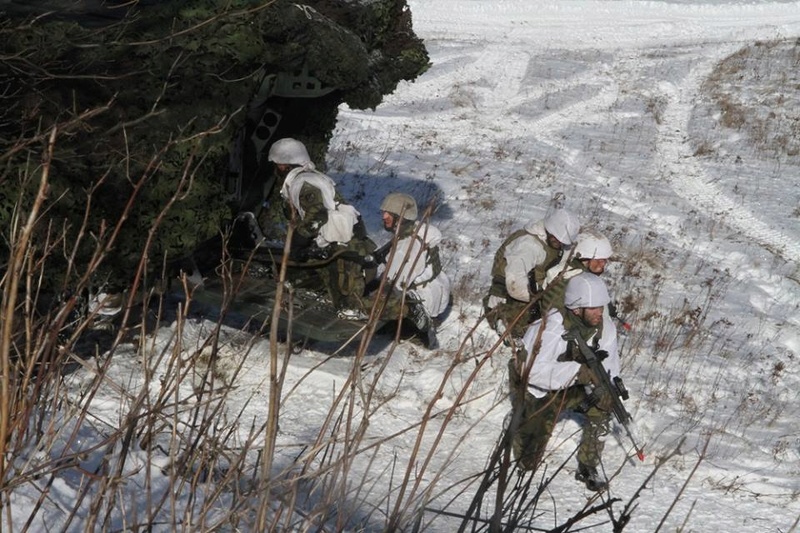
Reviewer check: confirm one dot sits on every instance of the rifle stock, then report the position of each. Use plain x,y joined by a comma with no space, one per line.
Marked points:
603,380
272,254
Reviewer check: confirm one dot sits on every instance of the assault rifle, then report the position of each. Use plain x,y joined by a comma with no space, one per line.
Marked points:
268,253
614,388
271,252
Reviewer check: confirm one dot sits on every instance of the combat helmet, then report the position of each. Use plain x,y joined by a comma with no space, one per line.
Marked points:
289,151
586,290
562,225
592,245
399,203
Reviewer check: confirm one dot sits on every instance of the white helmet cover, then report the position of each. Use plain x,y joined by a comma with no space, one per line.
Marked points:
562,225
586,290
592,245
289,151
399,203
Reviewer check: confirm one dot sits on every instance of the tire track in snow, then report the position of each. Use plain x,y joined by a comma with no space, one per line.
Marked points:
679,165
550,124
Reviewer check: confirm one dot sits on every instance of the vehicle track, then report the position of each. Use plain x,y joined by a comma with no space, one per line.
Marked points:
677,162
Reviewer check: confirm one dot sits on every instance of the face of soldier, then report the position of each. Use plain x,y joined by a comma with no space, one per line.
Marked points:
282,170
389,220
591,316
595,266
553,242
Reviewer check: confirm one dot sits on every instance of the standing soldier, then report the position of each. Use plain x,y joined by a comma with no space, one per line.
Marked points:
558,379
520,268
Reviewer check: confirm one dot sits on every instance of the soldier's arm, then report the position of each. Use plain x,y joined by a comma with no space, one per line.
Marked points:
522,256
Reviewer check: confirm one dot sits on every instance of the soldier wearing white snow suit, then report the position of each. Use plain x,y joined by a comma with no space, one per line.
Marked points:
327,229
520,268
558,381
285,155
420,288
591,253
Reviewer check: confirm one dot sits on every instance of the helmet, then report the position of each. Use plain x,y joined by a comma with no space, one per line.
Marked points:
586,290
592,245
562,225
289,151
399,203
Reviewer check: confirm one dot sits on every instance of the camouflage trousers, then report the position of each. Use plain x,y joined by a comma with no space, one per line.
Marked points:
345,283
346,279
533,420
514,313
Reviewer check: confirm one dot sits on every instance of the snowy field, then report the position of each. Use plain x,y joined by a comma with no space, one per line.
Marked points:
672,127
609,104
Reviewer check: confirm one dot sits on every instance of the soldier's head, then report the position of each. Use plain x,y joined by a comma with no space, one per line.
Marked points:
397,207
593,250
586,295
562,228
287,154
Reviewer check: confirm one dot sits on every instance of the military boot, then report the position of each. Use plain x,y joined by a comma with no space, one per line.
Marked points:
422,321
589,476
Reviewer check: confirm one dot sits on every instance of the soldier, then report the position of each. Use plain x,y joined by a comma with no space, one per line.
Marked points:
414,267
285,155
591,253
328,231
520,267
558,381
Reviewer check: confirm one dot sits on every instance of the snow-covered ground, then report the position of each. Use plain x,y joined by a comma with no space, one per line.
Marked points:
611,104
606,103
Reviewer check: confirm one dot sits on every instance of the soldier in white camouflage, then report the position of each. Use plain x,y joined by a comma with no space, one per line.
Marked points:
559,381
419,290
328,232
520,268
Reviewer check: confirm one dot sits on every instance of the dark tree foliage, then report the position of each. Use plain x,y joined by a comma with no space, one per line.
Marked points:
145,93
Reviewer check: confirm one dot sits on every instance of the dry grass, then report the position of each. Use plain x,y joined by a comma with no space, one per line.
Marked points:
178,454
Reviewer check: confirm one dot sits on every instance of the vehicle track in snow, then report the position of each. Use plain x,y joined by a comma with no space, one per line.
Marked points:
677,163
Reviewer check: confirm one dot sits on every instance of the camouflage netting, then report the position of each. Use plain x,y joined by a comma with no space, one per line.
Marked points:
167,89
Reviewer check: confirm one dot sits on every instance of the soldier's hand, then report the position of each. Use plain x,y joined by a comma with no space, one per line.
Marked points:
599,398
584,376
604,400
320,253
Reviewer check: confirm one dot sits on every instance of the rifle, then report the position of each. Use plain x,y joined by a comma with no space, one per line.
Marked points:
615,389
272,253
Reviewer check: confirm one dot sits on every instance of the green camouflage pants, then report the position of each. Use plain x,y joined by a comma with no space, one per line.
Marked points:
508,312
346,279
345,283
533,420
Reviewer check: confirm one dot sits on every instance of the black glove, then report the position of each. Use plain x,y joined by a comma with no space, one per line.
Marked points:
598,398
320,254
602,355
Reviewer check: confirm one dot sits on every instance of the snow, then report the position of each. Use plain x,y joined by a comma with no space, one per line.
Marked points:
607,103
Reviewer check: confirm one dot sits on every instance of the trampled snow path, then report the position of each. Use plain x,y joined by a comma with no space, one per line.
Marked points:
678,164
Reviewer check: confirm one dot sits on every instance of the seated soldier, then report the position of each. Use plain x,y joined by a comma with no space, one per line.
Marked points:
418,288
328,233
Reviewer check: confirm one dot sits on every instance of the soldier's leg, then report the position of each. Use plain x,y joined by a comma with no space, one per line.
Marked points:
536,418
595,429
351,285
388,303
